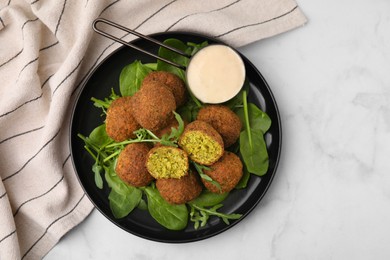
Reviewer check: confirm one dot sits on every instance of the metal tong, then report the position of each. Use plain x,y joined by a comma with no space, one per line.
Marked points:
120,27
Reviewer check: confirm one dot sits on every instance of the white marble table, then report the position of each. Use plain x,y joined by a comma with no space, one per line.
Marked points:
330,198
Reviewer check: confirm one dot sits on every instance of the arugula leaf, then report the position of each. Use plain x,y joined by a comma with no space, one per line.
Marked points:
200,215
131,78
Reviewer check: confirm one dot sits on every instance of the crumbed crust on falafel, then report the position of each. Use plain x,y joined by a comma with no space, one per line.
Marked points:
120,122
179,191
131,165
224,120
152,106
227,172
171,81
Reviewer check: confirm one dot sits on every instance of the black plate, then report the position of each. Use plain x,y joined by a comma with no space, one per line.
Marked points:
86,117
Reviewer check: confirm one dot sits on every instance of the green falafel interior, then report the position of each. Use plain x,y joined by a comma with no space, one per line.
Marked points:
201,148
167,162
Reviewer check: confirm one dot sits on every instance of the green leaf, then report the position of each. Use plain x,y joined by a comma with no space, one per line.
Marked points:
208,199
244,179
256,156
172,56
173,217
258,120
123,198
97,169
131,78
122,204
99,136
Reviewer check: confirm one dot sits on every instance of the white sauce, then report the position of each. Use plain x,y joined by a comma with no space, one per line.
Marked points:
215,74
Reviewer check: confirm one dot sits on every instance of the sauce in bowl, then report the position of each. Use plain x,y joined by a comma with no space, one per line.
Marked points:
215,74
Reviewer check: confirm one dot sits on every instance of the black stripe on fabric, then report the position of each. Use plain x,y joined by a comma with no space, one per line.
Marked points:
20,134
51,45
9,1
37,197
31,100
216,10
16,55
255,24
2,23
159,10
29,160
67,158
51,224
7,236
24,67
29,21
33,2
108,6
59,19
3,195
78,65
43,194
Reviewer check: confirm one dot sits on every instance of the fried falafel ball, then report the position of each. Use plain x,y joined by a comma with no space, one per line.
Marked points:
227,172
152,106
179,191
131,167
120,122
224,120
167,162
174,83
202,142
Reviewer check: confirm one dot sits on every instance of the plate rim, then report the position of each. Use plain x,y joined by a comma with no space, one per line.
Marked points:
226,227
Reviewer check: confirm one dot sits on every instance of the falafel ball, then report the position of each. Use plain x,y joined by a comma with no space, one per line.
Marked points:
224,120
202,142
167,162
152,105
131,167
120,122
174,83
227,172
179,191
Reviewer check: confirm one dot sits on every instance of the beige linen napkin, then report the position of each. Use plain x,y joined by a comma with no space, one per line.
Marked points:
47,48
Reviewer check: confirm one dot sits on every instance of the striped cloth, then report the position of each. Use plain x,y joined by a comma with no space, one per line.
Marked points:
47,49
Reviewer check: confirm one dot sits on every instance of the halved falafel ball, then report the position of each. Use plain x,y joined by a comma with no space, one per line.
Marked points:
173,82
227,172
224,120
120,122
152,105
179,191
131,165
202,142
167,162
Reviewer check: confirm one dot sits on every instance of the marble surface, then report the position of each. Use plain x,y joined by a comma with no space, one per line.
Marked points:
330,198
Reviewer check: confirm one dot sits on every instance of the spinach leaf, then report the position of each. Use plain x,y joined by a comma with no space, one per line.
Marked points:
255,156
99,136
172,56
258,120
174,217
123,198
253,148
208,199
131,78
244,179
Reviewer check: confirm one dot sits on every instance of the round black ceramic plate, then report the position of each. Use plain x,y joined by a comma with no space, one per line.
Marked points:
86,117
